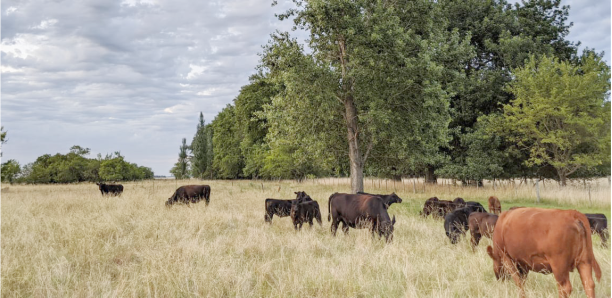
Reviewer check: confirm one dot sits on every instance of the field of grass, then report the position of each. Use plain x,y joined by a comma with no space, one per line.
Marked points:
69,241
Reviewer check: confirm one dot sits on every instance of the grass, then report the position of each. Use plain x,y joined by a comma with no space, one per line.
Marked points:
69,241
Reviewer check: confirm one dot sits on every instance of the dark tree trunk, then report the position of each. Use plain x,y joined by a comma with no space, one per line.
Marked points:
355,157
430,177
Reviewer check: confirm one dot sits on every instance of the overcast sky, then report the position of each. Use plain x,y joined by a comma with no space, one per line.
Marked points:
133,76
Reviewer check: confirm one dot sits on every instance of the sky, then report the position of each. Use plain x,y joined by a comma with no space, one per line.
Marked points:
133,76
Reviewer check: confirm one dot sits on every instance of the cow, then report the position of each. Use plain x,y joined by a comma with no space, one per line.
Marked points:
456,222
282,208
306,211
481,224
459,203
358,211
444,207
599,225
544,241
494,205
430,206
388,199
190,194
110,189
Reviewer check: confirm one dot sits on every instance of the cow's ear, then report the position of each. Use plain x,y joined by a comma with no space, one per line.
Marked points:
490,251
295,192
393,221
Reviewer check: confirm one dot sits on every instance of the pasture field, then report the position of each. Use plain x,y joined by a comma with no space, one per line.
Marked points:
69,241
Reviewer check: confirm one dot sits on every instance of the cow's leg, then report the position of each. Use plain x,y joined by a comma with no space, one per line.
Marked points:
334,227
586,275
603,234
301,223
475,239
519,278
268,217
310,222
561,273
345,228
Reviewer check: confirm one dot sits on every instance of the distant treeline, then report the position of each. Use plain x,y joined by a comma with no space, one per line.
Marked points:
468,90
74,167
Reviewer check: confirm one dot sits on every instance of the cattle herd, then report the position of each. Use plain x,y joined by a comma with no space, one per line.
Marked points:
524,239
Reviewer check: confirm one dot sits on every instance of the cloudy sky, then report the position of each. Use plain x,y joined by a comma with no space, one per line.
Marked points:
133,76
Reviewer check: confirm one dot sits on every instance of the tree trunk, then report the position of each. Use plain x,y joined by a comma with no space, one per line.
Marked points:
562,177
355,157
430,177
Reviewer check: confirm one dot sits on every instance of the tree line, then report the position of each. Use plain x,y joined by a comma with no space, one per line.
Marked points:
469,90
74,167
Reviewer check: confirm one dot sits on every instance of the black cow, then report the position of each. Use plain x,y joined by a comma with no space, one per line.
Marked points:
599,225
305,211
387,199
456,222
190,194
358,211
282,208
110,189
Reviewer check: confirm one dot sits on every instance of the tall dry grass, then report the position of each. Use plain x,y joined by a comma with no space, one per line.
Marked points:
69,241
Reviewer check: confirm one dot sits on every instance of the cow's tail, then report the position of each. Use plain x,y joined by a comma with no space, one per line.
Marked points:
329,207
583,223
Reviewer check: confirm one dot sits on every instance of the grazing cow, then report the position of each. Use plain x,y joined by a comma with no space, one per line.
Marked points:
110,189
494,205
302,212
358,211
387,199
456,222
444,207
544,241
282,208
599,225
430,206
481,224
459,203
190,194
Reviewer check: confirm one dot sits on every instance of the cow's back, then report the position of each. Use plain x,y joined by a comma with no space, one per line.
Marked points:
536,236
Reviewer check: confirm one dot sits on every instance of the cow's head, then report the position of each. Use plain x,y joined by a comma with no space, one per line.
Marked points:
497,263
301,196
295,208
394,199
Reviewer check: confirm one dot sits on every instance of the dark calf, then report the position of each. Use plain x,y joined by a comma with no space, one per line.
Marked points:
430,206
456,222
110,189
305,212
387,199
282,208
599,226
459,203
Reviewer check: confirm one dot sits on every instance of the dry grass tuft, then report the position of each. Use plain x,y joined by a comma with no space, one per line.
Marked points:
69,241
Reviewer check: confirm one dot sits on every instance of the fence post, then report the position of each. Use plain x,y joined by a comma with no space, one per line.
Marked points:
591,202
538,190
413,185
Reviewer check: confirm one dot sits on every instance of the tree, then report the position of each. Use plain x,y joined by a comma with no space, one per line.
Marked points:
199,149
10,170
228,161
502,36
560,114
180,169
373,82
3,139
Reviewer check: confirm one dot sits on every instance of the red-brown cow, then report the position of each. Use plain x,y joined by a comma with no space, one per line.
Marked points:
544,241
494,205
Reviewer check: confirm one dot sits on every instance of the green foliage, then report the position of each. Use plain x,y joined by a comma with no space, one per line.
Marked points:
75,167
227,161
502,36
181,167
10,170
560,114
2,137
199,149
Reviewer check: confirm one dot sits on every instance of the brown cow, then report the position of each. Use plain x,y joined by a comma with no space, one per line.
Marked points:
190,194
430,206
459,203
544,241
494,205
358,211
481,224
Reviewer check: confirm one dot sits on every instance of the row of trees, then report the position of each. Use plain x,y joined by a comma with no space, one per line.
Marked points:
464,89
74,167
